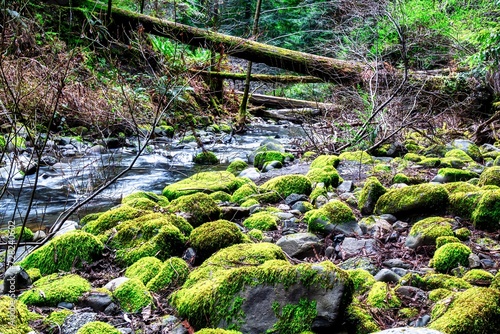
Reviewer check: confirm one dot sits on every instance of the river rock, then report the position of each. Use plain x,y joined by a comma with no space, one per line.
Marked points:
115,283
387,275
15,279
409,330
299,245
346,186
294,198
97,301
302,206
352,247
252,173
39,235
75,321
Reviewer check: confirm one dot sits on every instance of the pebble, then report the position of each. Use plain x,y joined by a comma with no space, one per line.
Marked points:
346,186
352,247
409,330
115,283
387,275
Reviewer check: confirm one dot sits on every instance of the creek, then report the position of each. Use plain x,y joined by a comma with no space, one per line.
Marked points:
77,173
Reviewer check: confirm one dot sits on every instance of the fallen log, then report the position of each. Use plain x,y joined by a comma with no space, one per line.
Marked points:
269,78
296,115
276,102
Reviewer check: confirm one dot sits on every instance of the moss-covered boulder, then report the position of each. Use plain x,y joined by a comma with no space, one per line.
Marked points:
432,281
208,238
53,289
64,252
325,161
14,316
283,297
462,204
206,158
426,231
220,196
474,311
469,147
382,296
330,216
204,181
264,157
144,269
456,187
460,154
132,295
135,197
357,156
173,273
486,214
440,241
236,167
362,280
371,192
454,175
280,187
244,192
490,176
360,319
478,277
450,256
197,208
95,327
327,175
263,220
429,198
111,218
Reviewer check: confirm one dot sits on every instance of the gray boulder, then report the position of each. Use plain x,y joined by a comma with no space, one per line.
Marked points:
299,245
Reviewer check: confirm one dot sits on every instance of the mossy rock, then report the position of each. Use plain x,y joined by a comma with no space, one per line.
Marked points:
478,277
53,289
243,193
56,319
431,228
14,316
325,161
413,157
256,234
474,311
452,162
220,196
450,256
357,156
440,241
490,176
361,319
236,167
144,269
132,295
204,181
206,158
495,283
282,186
264,221
327,175
111,218
328,216
462,233
438,294
262,158
34,274
429,198
486,214
209,237
455,175
319,190
220,300
362,280
95,327
173,273
381,296
159,200
196,208
430,162
456,187
432,281
457,153
371,192
463,204
216,331
27,233
64,252
249,202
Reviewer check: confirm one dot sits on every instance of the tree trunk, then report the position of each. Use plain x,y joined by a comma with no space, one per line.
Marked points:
269,78
286,103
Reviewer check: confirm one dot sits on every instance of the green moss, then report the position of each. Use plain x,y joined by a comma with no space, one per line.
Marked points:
53,289
495,283
327,175
256,234
413,157
144,269
408,312
490,176
381,296
263,220
319,190
430,162
325,161
457,153
220,196
433,281
64,252
249,202
455,175
463,204
450,256
206,158
401,178
216,331
210,237
438,294
371,192
133,295
440,241
362,280
90,217
242,193
267,156
132,198
358,156
173,273
56,318
236,167
432,228
456,187
474,311
217,297
204,181
95,327
478,277
334,212
452,162
14,316
200,208
111,218
463,233
294,318
27,233
361,320
486,214
427,197
280,187
34,274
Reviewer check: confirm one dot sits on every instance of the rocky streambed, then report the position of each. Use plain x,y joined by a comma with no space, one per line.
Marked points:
324,244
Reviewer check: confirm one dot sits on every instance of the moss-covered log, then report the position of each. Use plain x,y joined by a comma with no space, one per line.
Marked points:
286,103
269,78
